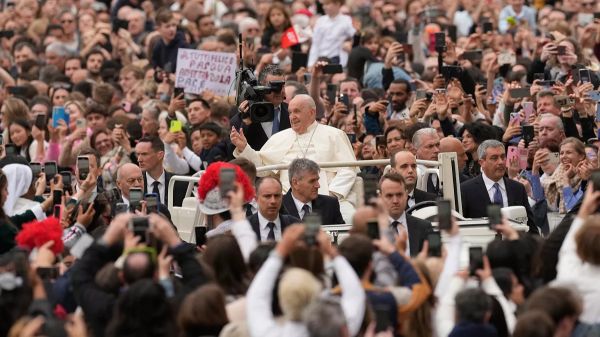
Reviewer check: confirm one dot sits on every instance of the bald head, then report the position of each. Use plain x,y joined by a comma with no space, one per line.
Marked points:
303,111
129,176
361,217
451,144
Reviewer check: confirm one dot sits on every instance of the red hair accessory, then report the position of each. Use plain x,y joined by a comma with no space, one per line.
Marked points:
210,180
36,233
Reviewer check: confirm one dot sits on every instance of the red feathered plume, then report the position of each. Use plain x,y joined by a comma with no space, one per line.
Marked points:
36,233
210,180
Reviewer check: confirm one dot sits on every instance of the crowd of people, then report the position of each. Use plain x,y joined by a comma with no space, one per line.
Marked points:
94,128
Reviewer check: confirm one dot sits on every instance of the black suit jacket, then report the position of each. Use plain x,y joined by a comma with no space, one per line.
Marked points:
417,233
178,190
421,196
328,207
475,199
285,220
254,132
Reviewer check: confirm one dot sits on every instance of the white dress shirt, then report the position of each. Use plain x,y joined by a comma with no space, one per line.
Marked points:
411,198
489,186
299,204
268,126
402,224
161,185
125,200
329,36
264,229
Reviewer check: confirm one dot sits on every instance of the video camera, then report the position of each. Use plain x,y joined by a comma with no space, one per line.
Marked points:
260,109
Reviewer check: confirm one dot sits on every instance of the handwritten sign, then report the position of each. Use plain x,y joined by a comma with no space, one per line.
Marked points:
199,70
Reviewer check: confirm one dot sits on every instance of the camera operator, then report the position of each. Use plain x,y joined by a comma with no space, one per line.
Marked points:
259,132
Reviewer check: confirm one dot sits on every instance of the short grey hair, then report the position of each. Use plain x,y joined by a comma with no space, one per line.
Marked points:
300,166
138,12
558,120
152,106
419,134
58,49
324,317
487,144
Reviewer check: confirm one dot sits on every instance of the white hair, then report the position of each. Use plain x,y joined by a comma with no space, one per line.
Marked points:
419,134
246,23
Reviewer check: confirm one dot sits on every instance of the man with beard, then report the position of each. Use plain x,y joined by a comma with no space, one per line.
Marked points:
93,64
398,93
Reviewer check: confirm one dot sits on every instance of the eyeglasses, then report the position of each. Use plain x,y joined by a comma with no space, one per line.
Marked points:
66,21
132,181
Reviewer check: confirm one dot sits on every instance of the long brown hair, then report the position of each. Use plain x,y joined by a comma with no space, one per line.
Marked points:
203,310
418,322
280,7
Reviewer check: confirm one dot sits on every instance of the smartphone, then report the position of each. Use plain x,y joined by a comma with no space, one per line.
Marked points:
307,77
435,244
10,149
382,318
584,76
226,179
1,139
66,177
59,113
421,94
528,133
512,154
507,58
177,92
351,137
313,225
370,182
515,118
346,100
494,215
118,24
57,197
487,27
528,110
17,91
40,121
151,203
331,92
554,158
200,233
444,214
596,180
36,169
57,211
380,141
475,259
440,40
333,69
299,60
175,126
407,48
451,72
519,92
523,156
373,230
81,123
597,15
135,196
83,166
539,76
452,33
50,170
473,55
139,225
561,50
594,95
121,207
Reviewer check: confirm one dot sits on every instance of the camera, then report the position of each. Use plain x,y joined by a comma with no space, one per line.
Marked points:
260,110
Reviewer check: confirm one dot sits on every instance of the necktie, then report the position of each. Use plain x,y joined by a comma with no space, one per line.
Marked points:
432,187
395,225
271,235
155,189
498,195
275,128
306,210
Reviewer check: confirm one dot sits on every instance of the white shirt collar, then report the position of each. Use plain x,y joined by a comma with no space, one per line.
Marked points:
262,222
299,203
401,219
151,180
125,200
310,128
489,183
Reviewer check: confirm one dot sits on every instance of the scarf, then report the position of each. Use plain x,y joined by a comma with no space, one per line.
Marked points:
553,187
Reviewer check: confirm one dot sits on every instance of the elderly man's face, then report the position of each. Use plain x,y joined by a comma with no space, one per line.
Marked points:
550,132
545,104
301,114
136,23
494,163
130,177
430,147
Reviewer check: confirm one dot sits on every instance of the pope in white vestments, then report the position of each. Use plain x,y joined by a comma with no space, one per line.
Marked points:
305,139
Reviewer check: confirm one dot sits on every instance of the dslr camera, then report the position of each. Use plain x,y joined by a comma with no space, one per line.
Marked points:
260,110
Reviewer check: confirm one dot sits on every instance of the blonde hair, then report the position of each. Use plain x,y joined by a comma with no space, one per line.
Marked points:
297,289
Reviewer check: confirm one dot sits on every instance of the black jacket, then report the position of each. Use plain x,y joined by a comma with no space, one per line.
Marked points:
328,207
285,220
421,196
475,199
254,132
164,56
179,190
417,233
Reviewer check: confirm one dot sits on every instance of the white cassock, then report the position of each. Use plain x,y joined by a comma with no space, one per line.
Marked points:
321,143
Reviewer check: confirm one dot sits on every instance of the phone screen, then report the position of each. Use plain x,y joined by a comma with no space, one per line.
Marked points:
139,226
66,179
519,92
83,166
57,197
57,211
444,214
50,170
135,196
382,318
331,93
121,208
40,121
226,179
435,244
200,235
373,230
584,76
494,214
151,203
313,225
528,133
475,259
36,169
